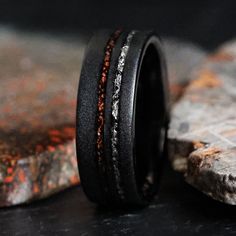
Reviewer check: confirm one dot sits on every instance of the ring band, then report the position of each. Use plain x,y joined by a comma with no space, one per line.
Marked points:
122,117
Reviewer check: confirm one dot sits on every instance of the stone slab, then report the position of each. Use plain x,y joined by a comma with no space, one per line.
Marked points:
202,135
38,82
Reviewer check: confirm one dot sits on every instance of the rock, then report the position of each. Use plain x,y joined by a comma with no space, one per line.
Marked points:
38,85
202,135
182,57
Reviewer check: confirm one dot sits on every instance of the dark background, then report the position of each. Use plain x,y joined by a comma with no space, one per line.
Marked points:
179,209
207,22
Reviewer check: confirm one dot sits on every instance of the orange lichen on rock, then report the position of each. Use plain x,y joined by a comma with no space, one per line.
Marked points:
9,170
206,79
21,176
54,132
39,148
229,133
176,91
69,132
221,57
51,148
208,152
198,144
201,158
37,109
74,179
8,179
36,188
56,140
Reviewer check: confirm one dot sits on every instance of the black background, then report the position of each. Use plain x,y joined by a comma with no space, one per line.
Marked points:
207,22
179,209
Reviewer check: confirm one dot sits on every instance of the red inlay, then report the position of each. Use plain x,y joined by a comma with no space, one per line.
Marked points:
101,93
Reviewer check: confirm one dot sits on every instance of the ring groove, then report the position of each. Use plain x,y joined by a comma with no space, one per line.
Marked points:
101,102
121,112
115,111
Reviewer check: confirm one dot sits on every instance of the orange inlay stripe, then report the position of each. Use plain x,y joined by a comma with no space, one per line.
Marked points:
101,94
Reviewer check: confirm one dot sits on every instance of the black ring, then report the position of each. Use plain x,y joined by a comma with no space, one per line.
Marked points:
122,117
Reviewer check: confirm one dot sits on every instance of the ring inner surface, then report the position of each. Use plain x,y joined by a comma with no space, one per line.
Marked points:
149,122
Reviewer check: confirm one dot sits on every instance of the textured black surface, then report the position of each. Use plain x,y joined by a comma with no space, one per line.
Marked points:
87,116
108,118
137,161
129,93
179,210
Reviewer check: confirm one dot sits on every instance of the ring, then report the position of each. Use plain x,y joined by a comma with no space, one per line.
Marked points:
122,117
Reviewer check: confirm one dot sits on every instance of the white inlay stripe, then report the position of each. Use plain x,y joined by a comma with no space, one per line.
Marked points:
115,111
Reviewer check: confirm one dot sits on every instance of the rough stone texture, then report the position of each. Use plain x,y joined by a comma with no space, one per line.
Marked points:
203,128
182,58
38,86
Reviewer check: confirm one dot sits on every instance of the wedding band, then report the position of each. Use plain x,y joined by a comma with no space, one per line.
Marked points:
122,117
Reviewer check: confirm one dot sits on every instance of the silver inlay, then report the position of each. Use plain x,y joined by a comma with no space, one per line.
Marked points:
115,111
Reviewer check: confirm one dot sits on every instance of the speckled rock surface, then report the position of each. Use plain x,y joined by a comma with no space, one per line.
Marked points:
38,83
182,57
203,128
